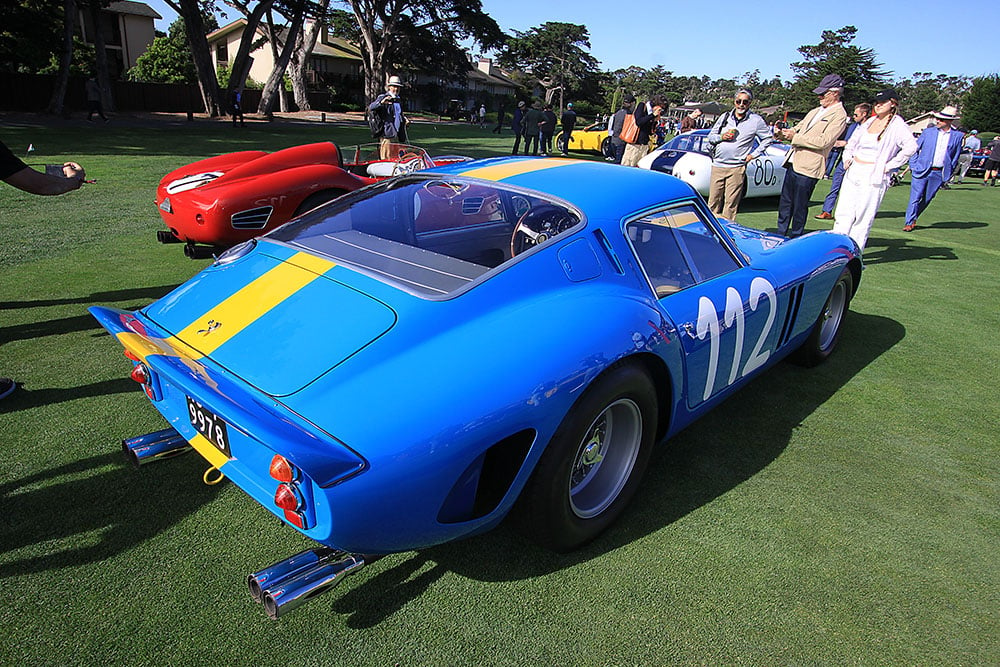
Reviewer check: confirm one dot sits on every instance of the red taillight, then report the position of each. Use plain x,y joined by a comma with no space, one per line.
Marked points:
286,498
691,171
131,355
281,469
140,374
295,518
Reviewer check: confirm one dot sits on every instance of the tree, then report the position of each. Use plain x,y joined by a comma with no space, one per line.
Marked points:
30,32
167,60
927,92
58,99
981,108
412,33
555,54
863,75
197,17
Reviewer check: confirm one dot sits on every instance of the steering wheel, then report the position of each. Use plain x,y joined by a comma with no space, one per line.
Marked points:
407,163
537,226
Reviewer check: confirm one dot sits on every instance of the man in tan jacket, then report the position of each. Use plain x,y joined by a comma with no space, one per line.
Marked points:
811,141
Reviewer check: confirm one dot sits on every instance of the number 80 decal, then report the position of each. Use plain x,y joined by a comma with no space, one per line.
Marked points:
709,325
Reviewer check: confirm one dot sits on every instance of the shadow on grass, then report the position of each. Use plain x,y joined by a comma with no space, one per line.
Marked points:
89,510
56,327
112,296
882,251
727,447
24,399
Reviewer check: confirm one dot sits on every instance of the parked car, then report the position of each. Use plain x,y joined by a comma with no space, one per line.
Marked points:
978,165
401,366
686,156
212,204
593,137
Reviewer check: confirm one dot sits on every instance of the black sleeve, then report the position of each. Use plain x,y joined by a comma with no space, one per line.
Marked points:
10,164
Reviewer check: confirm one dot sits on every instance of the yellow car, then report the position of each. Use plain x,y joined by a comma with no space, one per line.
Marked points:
593,137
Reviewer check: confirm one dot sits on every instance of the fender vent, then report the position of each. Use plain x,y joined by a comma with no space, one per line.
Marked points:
794,301
487,480
254,218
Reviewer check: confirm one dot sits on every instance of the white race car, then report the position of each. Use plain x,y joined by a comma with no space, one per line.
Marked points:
686,157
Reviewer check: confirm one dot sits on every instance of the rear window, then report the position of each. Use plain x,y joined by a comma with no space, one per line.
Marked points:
431,236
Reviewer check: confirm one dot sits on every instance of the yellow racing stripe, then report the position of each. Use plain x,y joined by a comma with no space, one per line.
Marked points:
220,323
502,171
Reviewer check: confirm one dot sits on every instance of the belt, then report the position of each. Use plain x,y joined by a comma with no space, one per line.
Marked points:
936,168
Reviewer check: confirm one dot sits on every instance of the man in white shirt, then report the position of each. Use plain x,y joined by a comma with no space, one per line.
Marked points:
934,162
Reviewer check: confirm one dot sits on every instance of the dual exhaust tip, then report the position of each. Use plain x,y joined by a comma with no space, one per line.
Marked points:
156,446
285,585
288,584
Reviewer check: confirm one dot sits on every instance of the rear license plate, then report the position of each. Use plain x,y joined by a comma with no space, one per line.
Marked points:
209,424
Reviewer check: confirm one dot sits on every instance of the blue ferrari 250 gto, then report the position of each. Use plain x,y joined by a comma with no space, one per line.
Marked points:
402,366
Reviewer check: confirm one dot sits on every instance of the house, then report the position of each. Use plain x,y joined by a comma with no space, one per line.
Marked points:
128,30
332,57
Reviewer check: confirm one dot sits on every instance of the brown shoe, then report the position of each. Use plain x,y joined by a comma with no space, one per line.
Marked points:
824,216
909,228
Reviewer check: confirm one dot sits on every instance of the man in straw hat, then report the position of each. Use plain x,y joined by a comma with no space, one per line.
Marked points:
937,154
389,109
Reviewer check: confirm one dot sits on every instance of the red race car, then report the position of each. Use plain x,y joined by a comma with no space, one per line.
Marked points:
215,203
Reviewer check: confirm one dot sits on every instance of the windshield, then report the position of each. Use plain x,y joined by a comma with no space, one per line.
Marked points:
431,236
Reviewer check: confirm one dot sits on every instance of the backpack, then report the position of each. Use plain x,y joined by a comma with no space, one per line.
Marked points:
376,123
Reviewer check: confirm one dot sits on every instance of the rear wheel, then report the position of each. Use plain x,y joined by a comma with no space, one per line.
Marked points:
317,199
593,464
561,141
607,148
826,331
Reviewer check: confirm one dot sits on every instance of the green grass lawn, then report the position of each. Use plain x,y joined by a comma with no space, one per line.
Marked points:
847,514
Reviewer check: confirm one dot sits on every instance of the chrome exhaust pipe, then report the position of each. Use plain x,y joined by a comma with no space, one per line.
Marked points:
288,584
143,449
274,575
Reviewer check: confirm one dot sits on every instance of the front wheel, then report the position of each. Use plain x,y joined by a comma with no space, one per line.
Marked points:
561,143
826,331
593,464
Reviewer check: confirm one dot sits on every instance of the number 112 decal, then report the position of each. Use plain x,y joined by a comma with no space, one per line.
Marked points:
709,325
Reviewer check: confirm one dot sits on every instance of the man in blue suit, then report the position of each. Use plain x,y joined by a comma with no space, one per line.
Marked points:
937,154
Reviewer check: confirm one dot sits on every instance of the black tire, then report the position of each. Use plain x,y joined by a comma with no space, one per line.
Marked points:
561,143
826,332
317,199
607,148
573,496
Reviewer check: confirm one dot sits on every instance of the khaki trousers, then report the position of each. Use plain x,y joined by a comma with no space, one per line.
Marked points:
725,191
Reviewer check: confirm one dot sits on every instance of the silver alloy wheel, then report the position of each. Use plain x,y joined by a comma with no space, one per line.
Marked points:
832,313
605,458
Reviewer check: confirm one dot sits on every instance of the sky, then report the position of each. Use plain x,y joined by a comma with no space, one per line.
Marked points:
727,38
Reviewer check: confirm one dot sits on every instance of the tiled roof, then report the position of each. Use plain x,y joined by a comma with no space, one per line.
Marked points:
133,8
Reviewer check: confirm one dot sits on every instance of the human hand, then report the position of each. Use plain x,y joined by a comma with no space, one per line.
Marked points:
787,134
74,171
729,135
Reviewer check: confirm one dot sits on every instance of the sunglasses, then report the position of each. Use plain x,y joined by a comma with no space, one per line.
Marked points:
742,102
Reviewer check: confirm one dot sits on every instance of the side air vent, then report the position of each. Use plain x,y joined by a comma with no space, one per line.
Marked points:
794,301
254,218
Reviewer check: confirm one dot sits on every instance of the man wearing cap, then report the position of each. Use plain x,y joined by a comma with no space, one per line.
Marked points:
568,122
617,122
388,107
732,145
969,146
811,142
931,166
517,125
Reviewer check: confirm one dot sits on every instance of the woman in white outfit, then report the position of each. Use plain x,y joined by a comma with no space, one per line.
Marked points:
882,143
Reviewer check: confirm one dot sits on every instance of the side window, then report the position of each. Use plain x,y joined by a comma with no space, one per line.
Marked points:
677,249
704,250
659,254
